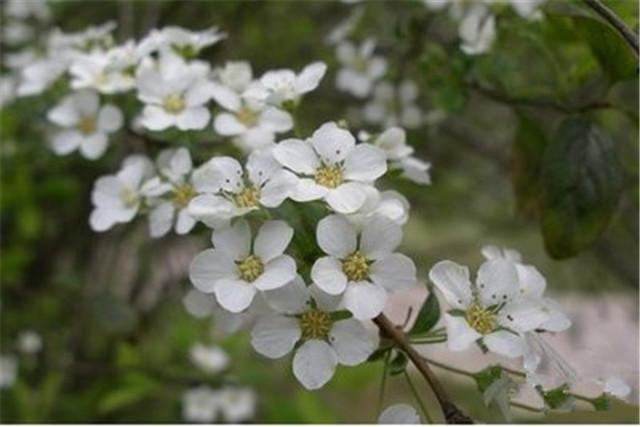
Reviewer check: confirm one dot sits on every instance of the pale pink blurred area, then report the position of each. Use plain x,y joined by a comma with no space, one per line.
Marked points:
603,341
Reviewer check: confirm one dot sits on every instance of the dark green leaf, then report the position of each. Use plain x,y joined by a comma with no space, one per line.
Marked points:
601,403
398,364
557,398
582,181
487,376
427,317
609,48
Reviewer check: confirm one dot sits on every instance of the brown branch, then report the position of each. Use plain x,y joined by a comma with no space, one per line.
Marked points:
629,36
452,414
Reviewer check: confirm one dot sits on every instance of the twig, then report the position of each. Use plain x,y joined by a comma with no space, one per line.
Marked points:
452,414
526,407
416,396
629,36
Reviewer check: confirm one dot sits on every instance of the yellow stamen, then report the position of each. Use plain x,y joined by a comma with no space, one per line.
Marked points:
250,268
249,197
247,117
315,324
355,267
174,104
87,125
129,197
329,176
481,319
182,195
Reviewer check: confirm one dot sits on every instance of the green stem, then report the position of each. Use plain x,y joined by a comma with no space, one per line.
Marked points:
526,407
423,409
383,383
434,340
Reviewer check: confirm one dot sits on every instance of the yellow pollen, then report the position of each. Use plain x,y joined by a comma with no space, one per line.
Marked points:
355,267
182,195
481,319
250,268
329,176
87,125
249,197
315,324
129,198
247,117
174,104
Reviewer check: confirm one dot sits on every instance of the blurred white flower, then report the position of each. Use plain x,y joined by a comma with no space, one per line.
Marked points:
200,405
616,386
211,359
181,41
528,9
361,265
477,29
29,342
38,76
232,191
389,204
320,342
8,370
393,142
235,75
345,27
492,311
239,266
331,167
284,88
86,125
360,67
392,106
117,198
236,404
400,413
175,93
7,89
21,9
198,304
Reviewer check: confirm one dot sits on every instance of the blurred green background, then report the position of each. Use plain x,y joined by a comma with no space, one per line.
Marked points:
109,306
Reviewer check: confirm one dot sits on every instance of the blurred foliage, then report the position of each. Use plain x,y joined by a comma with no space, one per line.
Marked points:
540,143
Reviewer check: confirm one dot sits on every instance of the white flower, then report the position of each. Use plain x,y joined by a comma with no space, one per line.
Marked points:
170,193
117,198
184,42
235,270
38,76
200,405
344,28
92,37
389,204
332,167
107,72
393,106
284,88
211,359
400,413
236,404
86,125
226,323
616,386
393,142
251,123
361,68
477,30
198,304
234,191
21,9
361,266
175,94
235,75
8,370
29,342
492,311
307,325
528,9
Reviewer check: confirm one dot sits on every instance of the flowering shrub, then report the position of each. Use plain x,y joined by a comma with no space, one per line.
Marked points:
305,225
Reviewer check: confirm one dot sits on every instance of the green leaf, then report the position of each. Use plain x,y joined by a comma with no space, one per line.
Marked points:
557,398
601,403
528,152
427,317
582,180
135,388
609,48
487,376
398,364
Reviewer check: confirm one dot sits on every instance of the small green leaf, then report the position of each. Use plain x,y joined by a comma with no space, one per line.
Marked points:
378,354
398,364
582,180
487,376
601,403
609,48
428,316
557,398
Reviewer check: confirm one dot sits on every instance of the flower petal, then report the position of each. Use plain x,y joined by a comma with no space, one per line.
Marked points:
400,413
452,280
156,118
272,240
278,188
333,144
394,272
314,364
234,295
364,299
110,119
185,222
506,343
352,342
336,236
459,334
234,240
347,198
524,314
66,141
380,236
327,274
228,125
210,266
193,118
293,298
161,219
532,283
94,146
276,120
275,336
497,281
365,163
310,77
307,190
296,155
277,273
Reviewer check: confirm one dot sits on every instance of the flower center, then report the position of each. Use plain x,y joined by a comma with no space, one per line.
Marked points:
315,324
247,117
355,267
182,195
249,197
361,64
250,268
174,104
129,198
87,125
329,176
481,319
